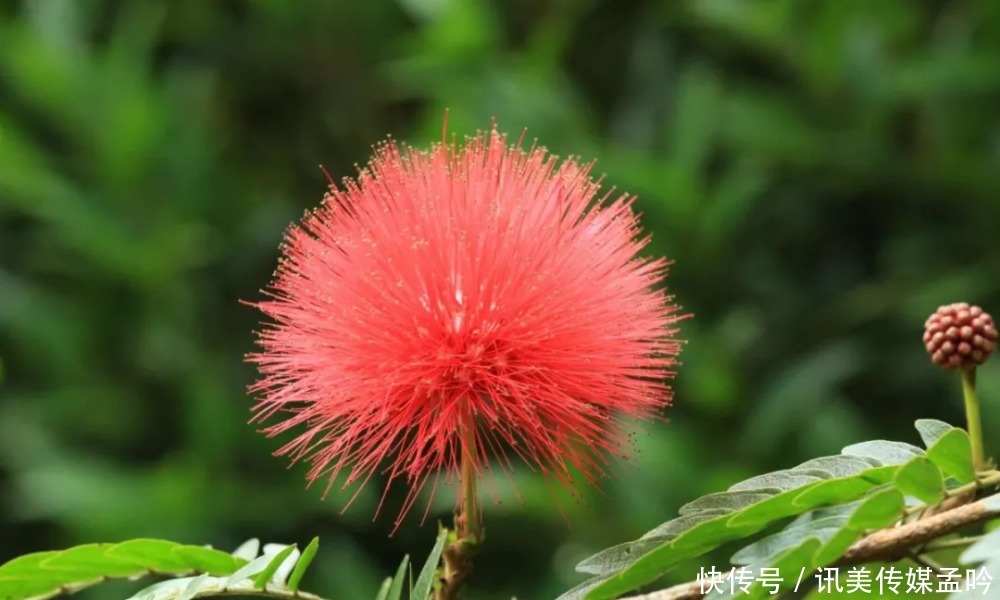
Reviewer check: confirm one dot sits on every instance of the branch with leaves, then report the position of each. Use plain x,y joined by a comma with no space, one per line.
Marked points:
893,544
876,501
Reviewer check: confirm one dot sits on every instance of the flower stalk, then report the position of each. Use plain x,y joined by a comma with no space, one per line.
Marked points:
468,527
972,417
467,532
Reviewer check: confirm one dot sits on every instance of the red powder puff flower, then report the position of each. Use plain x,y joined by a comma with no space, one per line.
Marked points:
480,300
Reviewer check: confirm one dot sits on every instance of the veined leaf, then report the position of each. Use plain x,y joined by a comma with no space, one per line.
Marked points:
763,551
840,465
617,557
678,525
47,574
952,452
885,452
921,479
835,528
781,480
878,510
833,490
743,511
931,430
797,563
726,501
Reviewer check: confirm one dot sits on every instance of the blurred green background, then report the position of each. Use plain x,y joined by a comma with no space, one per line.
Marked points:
824,173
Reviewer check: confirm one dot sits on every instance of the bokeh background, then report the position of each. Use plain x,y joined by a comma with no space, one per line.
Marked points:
824,174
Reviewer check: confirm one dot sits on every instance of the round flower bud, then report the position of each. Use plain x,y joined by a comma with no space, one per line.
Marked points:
960,336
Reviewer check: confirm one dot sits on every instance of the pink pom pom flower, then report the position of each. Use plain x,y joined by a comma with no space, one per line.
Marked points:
480,301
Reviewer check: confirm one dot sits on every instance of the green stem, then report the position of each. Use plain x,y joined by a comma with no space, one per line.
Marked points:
928,562
470,509
456,559
972,417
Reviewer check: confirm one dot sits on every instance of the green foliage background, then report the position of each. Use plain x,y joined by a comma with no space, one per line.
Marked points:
824,173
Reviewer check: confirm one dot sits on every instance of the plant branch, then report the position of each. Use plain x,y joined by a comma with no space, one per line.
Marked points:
882,545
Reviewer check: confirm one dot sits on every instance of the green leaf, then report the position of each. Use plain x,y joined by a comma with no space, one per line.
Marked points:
878,510
617,557
836,528
425,581
931,430
206,560
383,590
832,491
47,574
835,546
750,506
396,589
90,557
156,555
921,479
952,452
838,466
797,563
764,550
272,567
679,525
727,501
780,480
884,452
793,563
303,563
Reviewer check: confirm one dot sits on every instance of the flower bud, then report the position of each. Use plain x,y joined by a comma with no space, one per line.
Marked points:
960,336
